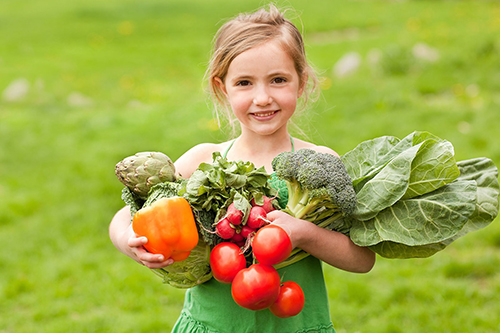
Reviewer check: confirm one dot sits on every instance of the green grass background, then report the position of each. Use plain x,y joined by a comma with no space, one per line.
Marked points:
110,78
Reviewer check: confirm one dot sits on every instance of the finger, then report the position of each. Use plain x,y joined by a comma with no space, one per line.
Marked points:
157,265
273,215
150,257
137,241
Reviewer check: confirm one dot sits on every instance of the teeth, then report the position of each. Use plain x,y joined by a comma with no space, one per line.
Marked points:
264,114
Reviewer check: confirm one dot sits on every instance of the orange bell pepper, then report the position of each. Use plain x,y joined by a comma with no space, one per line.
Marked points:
169,226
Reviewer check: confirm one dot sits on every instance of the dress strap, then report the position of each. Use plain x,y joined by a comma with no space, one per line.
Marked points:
227,150
232,142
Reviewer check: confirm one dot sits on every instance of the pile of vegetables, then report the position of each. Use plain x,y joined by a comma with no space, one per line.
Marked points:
403,198
228,201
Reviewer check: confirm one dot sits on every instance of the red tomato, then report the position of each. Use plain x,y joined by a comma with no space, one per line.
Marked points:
271,245
256,287
290,300
226,260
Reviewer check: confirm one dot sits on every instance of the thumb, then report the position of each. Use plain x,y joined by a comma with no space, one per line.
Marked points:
274,215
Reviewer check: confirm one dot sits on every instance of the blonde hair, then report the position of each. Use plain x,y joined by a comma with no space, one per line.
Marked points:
247,31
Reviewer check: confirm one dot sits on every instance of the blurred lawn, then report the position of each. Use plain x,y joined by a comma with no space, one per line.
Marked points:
103,80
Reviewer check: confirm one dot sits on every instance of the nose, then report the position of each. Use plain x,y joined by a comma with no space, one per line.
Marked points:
262,97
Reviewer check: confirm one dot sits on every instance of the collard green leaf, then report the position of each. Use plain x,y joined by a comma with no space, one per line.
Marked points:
367,159
418,164
443,199
369,156
433,166
387,187
484,172
197,183
428,219
394,250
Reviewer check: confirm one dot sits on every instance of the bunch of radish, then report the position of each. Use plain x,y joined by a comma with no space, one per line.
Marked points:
258,286
235,228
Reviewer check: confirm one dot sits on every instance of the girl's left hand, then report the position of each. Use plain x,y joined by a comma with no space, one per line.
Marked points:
292,225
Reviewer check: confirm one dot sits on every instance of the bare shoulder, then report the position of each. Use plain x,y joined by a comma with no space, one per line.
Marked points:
301,144
202,153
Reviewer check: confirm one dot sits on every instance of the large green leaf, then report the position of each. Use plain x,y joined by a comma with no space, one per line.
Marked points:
484,172
427,219
387,187
394,250
433,166
420,168
367,159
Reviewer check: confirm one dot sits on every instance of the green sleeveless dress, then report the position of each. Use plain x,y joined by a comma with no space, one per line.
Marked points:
210,308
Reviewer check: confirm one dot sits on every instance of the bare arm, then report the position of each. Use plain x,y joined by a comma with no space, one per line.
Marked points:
332,247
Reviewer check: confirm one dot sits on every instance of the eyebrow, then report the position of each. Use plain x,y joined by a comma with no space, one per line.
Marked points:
272,74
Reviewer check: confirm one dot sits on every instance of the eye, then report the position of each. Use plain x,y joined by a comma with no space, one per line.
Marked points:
243,83
279,80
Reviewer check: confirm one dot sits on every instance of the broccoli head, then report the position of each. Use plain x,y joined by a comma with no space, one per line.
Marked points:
318,185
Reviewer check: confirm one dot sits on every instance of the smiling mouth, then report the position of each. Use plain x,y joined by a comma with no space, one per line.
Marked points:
264,114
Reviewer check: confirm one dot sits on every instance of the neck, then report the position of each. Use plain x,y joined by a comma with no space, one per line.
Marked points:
260,149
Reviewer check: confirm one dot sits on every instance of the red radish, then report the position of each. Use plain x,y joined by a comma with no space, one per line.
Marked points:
241,244
257,217
267,205
237,237
224,229
234,215
246,231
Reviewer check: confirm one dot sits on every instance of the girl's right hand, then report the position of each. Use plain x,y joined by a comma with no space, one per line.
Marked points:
142,256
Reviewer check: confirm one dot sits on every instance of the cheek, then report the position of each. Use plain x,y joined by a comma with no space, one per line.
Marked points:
239,103
288,100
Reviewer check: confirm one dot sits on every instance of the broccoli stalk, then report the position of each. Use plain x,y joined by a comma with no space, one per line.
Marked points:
319,190
306,204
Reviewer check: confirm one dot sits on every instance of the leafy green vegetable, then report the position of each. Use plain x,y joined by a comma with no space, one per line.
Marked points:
414,166
414,199
214,186
190,272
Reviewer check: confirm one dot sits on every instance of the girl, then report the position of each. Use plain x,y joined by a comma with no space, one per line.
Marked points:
258,71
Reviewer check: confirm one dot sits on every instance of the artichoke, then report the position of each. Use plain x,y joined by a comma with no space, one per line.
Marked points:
143,170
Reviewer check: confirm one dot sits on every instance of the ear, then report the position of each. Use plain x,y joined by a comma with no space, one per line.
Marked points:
220,84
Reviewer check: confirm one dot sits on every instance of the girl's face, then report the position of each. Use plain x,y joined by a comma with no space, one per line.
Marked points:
262,87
